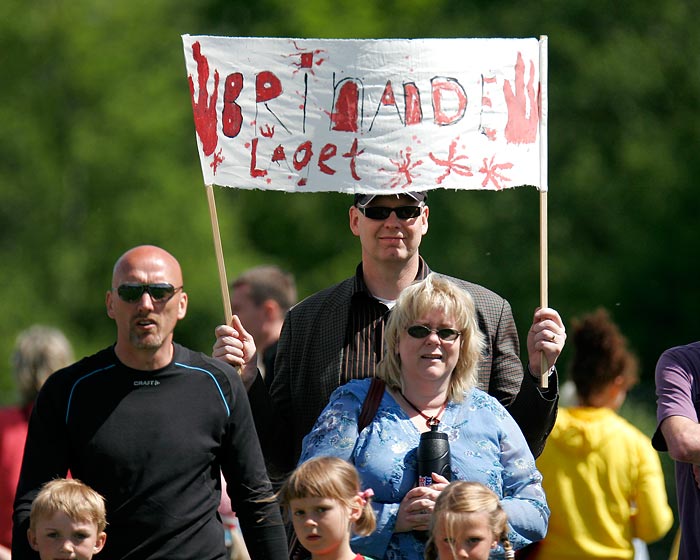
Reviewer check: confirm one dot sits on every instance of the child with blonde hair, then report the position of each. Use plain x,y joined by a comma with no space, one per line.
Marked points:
468,519
67,519
325,503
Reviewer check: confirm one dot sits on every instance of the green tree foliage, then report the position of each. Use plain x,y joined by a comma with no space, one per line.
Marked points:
97,154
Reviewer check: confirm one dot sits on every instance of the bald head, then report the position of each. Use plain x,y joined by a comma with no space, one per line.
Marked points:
146,321
147,257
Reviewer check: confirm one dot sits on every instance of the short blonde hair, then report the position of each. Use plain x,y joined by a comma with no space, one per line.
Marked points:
72,497
328,477
460,498
435,292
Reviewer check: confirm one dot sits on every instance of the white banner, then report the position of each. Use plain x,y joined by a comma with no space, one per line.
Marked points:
382,116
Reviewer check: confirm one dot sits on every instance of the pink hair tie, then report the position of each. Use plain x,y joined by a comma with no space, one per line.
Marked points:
366,495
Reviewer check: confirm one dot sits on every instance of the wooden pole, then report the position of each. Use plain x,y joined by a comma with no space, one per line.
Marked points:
544,366
219,255
544,116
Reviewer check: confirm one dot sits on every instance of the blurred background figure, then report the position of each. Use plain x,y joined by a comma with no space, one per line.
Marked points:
261,296
38,352
677,379
602,477
233,536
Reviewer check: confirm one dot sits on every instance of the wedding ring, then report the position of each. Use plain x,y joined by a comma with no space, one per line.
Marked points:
554,338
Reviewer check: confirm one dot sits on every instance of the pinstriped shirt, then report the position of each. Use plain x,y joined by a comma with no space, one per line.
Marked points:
364,338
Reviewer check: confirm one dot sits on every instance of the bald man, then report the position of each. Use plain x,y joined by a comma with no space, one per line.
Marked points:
151,425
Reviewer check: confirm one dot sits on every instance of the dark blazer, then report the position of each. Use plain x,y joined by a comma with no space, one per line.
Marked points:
269,360
308,370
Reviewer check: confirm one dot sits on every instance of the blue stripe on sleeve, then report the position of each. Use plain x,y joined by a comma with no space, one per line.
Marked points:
70,396
210,374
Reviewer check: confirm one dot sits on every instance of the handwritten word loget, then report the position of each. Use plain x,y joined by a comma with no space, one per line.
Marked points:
302,157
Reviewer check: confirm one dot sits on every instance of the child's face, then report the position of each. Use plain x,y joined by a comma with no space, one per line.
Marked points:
60,537
474,538
322,525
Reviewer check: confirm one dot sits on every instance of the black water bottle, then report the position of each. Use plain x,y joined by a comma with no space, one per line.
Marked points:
433,456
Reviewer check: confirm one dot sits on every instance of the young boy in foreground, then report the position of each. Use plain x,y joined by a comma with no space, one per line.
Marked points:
67,517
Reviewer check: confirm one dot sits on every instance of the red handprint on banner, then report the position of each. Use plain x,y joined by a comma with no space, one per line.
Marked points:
492,173
451,163
522,125
205,107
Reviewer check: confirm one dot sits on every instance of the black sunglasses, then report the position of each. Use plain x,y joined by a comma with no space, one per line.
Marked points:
421,331
383,212
131,293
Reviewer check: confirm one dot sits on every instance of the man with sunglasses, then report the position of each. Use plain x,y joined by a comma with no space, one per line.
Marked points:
150,425
337,334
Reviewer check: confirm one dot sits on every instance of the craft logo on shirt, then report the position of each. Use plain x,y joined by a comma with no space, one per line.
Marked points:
146,383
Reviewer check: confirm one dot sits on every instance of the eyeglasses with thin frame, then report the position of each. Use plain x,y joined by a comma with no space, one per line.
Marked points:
421,331
159,292
383,212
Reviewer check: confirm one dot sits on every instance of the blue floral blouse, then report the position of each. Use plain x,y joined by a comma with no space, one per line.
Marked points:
486,445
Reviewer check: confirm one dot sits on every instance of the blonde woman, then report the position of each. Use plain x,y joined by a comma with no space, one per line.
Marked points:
433,348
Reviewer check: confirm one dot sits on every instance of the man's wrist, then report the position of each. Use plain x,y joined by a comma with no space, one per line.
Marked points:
550,372
249,373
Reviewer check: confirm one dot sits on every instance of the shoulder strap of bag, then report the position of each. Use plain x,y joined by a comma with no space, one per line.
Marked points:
371,403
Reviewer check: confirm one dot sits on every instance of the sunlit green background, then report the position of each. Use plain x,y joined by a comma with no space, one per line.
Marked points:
98,153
